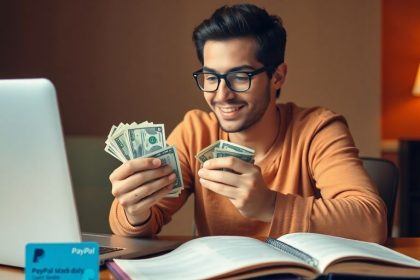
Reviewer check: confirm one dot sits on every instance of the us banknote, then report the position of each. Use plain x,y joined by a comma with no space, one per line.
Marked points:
169,156
130,141
223,148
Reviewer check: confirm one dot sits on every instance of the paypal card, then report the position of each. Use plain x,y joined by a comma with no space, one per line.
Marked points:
62,261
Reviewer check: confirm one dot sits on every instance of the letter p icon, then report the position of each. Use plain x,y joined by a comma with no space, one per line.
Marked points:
38,254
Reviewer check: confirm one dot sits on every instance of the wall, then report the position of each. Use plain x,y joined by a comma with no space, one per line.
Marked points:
400,59
130,61
114,62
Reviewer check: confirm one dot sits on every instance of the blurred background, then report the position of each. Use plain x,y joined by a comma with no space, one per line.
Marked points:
125,61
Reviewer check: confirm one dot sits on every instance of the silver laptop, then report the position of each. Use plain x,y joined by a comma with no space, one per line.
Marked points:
36,195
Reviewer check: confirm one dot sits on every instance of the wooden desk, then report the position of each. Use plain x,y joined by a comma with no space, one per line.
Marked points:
409,246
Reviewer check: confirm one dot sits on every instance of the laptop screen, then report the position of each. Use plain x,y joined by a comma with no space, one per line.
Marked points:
36,196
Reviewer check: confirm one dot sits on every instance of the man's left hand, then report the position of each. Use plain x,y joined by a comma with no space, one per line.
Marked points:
243,184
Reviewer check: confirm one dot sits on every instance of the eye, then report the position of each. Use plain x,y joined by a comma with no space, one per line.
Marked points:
210,78
239,77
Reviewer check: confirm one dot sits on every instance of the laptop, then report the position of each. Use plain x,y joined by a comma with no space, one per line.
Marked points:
36,196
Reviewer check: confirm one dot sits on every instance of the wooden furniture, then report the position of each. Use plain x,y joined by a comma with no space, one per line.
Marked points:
409,161
405,245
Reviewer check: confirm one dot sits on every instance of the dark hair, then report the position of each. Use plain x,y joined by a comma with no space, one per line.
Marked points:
245,20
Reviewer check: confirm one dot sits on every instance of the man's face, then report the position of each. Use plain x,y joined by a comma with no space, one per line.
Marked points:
236,112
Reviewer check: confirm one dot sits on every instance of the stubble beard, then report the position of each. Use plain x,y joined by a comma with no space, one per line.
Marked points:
253,118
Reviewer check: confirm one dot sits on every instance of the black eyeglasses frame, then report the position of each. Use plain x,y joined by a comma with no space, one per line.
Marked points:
224,77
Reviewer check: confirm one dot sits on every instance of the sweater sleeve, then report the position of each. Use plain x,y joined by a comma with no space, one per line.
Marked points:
345,201
162,212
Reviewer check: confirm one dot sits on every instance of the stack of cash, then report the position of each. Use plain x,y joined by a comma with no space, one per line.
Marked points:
224,148
130,141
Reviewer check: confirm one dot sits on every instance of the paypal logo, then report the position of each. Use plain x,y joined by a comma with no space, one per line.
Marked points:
38,254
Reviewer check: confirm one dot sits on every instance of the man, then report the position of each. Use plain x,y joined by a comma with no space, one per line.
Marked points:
306,176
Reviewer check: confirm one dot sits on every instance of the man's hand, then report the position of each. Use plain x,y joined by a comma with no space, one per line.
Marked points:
140,183
244,186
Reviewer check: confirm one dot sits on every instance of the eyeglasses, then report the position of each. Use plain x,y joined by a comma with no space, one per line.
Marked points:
238,81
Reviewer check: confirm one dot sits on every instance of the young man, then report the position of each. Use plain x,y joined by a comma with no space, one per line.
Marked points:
306,176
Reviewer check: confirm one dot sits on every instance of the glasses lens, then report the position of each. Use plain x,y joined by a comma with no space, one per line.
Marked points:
239,81
207,81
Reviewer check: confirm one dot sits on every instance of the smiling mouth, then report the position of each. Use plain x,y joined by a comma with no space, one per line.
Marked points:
230,112
230,109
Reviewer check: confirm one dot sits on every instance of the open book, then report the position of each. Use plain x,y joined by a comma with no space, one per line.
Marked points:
303,254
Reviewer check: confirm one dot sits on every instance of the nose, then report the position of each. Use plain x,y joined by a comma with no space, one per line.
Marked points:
224,92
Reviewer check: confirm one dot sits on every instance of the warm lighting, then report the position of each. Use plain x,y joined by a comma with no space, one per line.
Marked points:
416,88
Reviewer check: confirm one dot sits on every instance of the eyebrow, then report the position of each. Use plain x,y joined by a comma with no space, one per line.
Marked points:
234,69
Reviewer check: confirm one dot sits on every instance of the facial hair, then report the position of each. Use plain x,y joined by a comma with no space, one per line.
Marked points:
254,116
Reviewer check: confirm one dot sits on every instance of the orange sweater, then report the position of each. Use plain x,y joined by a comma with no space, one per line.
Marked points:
313,166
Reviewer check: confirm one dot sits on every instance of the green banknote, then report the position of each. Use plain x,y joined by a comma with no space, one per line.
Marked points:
207,153
169,156
223,148
226,145
144,139
130,141
218,153
122,145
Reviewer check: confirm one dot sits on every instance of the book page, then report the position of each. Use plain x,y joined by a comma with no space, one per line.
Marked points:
327,249
207,257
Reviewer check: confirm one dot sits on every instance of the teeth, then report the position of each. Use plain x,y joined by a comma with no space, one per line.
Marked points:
229,109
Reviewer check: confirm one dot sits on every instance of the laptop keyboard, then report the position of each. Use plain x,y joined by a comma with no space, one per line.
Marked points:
106,250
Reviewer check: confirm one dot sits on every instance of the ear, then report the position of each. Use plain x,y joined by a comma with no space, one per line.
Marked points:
279,76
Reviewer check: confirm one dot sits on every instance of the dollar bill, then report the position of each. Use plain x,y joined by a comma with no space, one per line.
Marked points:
111,147
144,139
226,145
119,141
223,148
130,141
108,148
169,156
207,153
111,151
218,153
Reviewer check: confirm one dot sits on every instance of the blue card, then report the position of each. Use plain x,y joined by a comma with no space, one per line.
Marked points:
62,261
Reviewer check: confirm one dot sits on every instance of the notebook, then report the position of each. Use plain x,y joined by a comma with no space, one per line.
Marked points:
36,196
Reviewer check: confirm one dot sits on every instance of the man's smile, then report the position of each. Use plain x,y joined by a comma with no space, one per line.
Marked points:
229,111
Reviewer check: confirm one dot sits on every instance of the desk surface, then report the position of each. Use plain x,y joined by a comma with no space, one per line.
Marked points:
405,245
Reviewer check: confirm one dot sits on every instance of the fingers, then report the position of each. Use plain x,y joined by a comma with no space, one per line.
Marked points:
222,189
219,176
235,164
149,201
140,178
144,197
138,184
213,170
133,166
236,186
146,190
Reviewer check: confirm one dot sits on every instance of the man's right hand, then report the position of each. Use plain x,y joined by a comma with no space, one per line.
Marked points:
140,183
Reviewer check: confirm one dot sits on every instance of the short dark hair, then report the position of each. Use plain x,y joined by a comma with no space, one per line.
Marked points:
245,20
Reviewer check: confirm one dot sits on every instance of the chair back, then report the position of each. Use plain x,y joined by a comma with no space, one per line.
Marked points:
385,175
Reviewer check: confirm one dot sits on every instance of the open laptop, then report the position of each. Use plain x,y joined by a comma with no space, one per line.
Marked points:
36,195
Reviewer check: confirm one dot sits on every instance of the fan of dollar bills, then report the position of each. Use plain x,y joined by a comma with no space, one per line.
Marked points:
224,148
130,141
